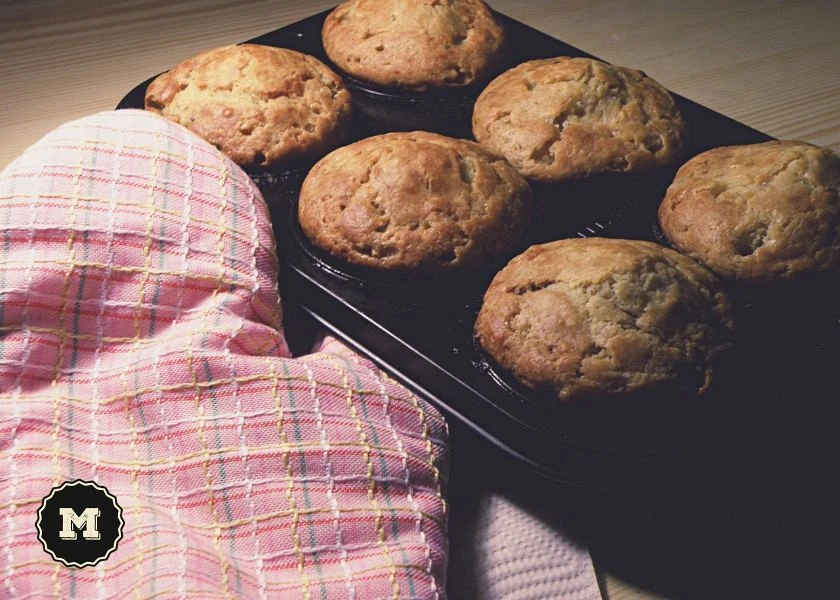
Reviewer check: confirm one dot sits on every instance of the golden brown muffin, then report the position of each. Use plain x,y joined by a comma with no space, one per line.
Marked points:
414,201
262,106
414,44
600,316
562,118
760,212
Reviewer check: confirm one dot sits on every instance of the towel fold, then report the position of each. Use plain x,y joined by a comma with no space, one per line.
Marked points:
142,349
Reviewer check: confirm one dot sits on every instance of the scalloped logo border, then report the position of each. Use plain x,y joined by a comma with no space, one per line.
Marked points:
119,529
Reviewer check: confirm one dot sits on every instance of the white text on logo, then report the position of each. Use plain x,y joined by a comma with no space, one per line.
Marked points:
86,522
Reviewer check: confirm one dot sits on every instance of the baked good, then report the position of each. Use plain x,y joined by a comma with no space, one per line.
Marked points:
758,212
414,200
415,45
597,316
562,118
262,106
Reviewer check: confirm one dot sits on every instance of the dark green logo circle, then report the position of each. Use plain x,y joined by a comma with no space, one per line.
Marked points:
79,523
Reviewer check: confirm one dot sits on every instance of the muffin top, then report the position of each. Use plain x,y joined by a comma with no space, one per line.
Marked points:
414,201
414,44
562,118
261,106
601,316
758,212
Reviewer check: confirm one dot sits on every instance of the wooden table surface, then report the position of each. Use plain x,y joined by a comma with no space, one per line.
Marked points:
774,65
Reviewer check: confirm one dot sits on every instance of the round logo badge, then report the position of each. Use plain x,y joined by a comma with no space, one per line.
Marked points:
79,523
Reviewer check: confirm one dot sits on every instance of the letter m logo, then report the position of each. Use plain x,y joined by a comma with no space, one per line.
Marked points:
86,522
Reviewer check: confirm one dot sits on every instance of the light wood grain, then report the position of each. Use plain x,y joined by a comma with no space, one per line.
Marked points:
774,65
62,60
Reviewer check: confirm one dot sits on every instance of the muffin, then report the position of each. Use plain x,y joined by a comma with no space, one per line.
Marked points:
415,44
598,316
261,106
760,212
563,118
414,200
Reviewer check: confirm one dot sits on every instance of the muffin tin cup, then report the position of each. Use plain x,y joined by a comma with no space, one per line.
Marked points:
805,308
420,326
393,281
643,423
391,109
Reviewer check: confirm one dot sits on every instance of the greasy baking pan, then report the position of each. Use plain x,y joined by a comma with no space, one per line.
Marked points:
420,328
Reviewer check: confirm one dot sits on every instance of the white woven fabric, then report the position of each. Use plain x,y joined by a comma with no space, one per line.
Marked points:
518,557
512,533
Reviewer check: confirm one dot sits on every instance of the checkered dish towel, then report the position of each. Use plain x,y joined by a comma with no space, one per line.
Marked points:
142,349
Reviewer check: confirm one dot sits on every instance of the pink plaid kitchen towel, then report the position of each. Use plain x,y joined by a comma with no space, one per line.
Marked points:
142,349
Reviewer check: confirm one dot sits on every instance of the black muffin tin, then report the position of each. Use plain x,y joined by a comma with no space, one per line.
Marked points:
419,327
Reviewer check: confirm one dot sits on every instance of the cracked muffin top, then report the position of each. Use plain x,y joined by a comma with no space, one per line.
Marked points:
414,201
415,44
563,118
597,316
759,212
261,106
